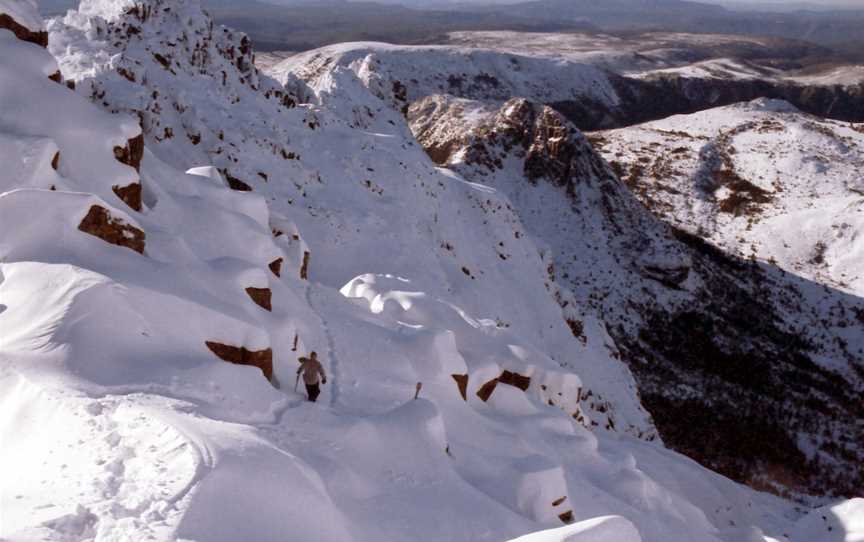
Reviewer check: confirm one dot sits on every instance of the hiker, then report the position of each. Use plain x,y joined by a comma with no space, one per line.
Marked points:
311,369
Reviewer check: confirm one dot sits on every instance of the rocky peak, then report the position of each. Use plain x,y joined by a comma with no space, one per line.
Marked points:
142,58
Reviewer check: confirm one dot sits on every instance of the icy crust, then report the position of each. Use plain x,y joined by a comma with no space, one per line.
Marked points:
23,12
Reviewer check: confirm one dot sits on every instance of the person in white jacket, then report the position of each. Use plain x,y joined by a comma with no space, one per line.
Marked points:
311,369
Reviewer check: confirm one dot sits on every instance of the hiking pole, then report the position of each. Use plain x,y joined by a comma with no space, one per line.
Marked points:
296,381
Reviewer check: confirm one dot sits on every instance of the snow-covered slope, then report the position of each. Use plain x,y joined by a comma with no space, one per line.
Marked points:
760,180
596,81
693,322
124,280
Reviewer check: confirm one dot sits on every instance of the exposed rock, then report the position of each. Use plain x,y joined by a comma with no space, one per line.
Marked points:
304,269
101,224
516,380
261,296
57,77
55,162
23,33
683,314
486,390
566,517
131,195
132,153
558,502
263,359
462,384
276,266
235,183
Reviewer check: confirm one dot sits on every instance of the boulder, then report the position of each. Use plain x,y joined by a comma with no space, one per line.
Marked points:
132,153
262,297
485,391
130,194
462,384
515,379
276,266
101,224
39,37
263,359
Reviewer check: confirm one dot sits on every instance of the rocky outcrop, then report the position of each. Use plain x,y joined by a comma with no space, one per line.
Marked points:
276,266
462,385
101,224
515,379
236,184
683,314
39,37
130,194
262,297
304,267
263,359
507,377
132,153
487,389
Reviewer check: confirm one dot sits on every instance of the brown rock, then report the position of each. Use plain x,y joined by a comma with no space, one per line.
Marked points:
515,380
462,383
235,183
101,224
263,359
276,267
485,391
566,517
304,269
132,153
56,77
131,195
262,296
23,33
557,502
55,162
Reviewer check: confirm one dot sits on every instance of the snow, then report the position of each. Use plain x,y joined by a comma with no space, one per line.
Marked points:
824,162
593,530
841,522
117,422
423,71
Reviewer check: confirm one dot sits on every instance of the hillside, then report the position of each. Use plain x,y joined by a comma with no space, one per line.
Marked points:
731,176
176,229
714,340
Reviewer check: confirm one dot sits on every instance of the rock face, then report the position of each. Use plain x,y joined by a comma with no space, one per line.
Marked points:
130,194
157,51
132,153
263,359
276,266
262,297
462,385
39,37
101,224
740,336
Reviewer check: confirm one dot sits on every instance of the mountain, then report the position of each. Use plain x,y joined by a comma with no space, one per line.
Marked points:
176,228
729,176
714,340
